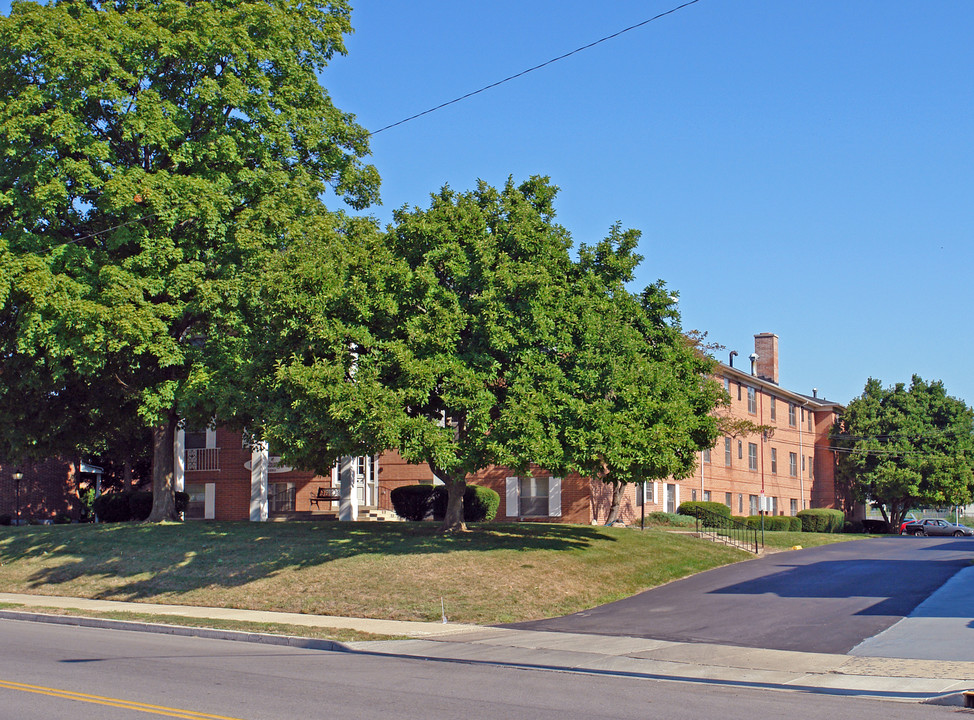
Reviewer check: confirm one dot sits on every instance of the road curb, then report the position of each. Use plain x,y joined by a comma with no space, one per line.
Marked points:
181,630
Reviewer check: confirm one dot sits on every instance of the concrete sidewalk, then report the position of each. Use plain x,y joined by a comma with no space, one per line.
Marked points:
887,678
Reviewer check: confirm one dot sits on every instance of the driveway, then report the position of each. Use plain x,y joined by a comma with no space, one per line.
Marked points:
825,599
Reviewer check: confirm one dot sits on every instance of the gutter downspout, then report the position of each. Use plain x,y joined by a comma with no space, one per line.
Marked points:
801,465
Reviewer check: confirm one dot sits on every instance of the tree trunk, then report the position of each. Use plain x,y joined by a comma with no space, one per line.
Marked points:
163,486
618,490
453,520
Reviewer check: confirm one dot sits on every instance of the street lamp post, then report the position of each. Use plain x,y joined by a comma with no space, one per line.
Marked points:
18,476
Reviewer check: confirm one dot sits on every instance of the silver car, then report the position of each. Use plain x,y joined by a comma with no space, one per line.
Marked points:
935,526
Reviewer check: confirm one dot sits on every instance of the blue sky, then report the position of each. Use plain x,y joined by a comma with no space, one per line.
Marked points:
798,168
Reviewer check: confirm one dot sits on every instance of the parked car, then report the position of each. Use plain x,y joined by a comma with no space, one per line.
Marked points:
910,518
935,526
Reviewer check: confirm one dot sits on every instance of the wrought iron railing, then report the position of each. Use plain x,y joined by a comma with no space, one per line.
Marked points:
728,531
202,459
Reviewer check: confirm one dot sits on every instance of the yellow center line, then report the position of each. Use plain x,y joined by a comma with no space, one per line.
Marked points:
112,702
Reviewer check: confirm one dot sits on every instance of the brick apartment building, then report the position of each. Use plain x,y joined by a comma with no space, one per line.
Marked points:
790,464
44,491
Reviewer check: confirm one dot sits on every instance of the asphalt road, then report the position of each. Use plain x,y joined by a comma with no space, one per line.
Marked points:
825,599
63,673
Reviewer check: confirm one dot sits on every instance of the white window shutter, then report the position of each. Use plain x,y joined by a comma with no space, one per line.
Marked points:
653,497
209,501
554,497
513,497
676,497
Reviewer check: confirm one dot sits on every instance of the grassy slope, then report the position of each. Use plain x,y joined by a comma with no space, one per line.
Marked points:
495,574
498,573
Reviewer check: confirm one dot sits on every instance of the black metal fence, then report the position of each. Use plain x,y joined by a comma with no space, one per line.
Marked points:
728,531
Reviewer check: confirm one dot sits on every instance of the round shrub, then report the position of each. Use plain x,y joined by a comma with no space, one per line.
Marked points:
112,507
479,503
412,502
690,508
825,520
140,504
182,502
795,524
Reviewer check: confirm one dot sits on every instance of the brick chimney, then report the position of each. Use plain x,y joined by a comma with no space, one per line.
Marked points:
766,348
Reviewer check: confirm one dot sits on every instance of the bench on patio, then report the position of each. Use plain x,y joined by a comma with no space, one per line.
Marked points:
325,494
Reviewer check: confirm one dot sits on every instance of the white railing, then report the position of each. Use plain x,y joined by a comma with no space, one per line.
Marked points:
202,459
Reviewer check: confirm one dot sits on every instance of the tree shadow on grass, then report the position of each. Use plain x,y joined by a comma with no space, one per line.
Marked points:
142,561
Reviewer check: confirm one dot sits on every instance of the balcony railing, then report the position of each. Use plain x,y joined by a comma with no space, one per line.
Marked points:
202,459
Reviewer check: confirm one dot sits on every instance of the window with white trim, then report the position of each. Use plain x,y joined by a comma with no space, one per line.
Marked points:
197,501
752,456
752,401
280,496
532,497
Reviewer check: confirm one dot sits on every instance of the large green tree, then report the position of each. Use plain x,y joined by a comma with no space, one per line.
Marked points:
439,338
642,400
466,336
903,446
153,154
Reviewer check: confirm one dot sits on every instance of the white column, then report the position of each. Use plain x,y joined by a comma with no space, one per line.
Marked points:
258,483
348,505
179,460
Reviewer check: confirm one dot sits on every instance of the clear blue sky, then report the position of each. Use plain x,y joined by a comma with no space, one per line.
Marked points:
799,168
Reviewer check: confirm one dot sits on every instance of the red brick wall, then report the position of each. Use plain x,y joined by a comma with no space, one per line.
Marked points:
48,489
232,480
816,489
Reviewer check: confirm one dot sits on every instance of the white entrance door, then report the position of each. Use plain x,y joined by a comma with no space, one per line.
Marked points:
671,497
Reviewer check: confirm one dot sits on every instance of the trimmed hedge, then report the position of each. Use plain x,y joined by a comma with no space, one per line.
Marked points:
140,504
775,523
412,502
690,508
417,502
182,502
112,507
665,518
870,526
479,504
824,520
131,505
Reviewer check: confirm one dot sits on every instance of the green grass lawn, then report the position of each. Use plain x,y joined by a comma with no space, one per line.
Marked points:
497,573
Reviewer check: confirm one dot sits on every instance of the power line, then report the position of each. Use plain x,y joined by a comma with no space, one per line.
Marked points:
536,67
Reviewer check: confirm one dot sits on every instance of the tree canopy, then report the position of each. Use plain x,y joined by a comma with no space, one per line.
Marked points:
466,336
902,447
154,154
